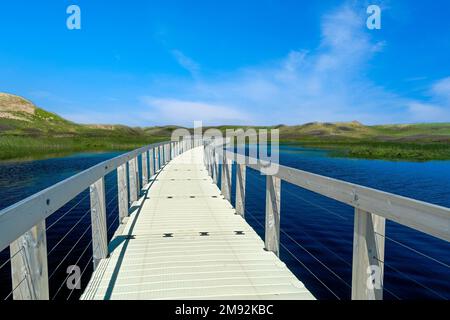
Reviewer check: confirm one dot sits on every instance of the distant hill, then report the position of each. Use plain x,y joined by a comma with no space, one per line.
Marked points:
17,112
11,104
433,132
20,117
27,129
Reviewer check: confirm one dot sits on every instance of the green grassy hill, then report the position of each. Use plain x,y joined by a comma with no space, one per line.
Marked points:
394,142
27,131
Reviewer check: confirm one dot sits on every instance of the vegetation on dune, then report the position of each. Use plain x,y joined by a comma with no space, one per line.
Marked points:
27,131
12,147
416,142
385,150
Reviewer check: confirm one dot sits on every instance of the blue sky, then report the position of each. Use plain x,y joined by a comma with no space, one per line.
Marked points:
147,62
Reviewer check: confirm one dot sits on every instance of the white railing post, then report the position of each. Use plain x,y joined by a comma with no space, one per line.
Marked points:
240,188
151,155
226,177
165,153
156,159
273,201
211,161
98,220
205,157
122,191
29,270
368,256
160,158
144,168
138,180
215,166
133,177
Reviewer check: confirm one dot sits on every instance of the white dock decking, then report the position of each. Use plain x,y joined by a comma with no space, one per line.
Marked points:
186,242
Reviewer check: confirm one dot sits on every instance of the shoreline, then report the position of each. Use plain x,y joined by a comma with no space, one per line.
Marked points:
18,149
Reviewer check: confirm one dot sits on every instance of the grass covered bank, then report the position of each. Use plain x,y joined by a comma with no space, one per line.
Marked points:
380,150
29,148
29,132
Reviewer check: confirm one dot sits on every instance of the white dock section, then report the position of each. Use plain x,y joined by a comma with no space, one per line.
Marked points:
186,242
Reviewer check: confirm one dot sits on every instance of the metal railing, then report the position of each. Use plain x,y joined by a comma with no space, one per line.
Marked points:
23,227
371,209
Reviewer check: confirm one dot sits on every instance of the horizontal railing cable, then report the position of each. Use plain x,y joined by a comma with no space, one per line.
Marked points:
79,239
414,250
68,211
304,266
68,232
90,242
87,264
404,275
15,288
76,263
321,244
81,277
73,227
315,258
10,258
68,253
329,269
310,237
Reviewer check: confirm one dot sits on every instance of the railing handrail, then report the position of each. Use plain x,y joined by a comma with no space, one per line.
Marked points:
20,217
22,225
371,209
423,216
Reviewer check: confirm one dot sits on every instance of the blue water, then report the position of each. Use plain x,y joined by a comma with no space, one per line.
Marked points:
317,232
68,229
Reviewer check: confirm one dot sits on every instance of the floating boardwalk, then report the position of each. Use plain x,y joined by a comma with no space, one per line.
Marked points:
187,242
182,239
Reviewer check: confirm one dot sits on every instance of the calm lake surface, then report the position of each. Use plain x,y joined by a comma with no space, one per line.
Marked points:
317,232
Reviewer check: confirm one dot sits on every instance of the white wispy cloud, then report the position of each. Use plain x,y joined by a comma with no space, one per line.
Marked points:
441,90
186,62
437,108
423,112
326,83
98,117
170,110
